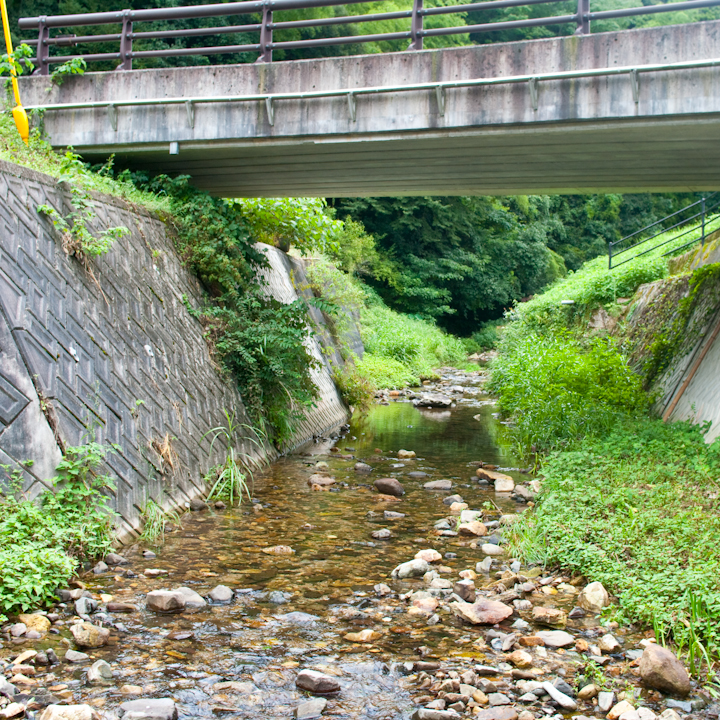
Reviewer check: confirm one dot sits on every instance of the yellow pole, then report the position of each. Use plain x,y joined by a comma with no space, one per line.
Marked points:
19,115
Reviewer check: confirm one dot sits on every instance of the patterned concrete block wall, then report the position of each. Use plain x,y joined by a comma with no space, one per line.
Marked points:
121,359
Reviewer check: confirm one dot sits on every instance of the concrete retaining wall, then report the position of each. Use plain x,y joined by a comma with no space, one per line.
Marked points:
121,359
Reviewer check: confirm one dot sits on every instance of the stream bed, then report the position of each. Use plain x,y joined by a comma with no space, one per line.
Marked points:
306,572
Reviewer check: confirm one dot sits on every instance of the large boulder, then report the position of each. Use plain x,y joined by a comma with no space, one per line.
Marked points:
412,568
165,601
661,670
389,486
88,635
317,682
482,612
149,709
593,597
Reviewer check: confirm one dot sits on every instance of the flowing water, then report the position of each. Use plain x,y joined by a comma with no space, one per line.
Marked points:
292,611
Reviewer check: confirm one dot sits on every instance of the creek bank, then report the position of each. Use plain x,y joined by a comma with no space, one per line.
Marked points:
312,590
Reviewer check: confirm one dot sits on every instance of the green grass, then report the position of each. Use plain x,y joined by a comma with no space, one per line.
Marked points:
591,287
39,155
637,510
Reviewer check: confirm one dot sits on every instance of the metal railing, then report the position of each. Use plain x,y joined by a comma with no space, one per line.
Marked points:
351,94
706,220
128,20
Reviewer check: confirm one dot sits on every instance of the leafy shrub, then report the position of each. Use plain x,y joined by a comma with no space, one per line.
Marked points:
637,510
559,391
356,389
486,338
42,541
301,222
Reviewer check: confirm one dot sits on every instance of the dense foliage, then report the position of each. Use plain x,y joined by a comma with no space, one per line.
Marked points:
259,340
42,541
559,390
463,261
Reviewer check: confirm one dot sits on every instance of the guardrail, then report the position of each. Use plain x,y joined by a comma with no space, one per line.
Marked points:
128,19
706,220
438,88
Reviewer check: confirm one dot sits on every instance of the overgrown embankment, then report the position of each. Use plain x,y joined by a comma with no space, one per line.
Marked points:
626,499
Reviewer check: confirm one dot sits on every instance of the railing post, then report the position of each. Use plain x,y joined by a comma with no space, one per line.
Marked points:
416,26
265,35
126,42
703,222
583,23
610,246
43,48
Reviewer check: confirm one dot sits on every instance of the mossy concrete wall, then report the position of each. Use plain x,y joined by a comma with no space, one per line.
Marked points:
671,330
119,358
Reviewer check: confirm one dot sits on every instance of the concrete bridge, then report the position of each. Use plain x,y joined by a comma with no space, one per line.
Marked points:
628,111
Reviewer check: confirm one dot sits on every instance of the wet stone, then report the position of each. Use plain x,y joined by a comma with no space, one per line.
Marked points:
382,534
67,712
392,515
113,560
74,656
311,709
149,709
389,486
165,601
317,682
193,600
221,595
438,485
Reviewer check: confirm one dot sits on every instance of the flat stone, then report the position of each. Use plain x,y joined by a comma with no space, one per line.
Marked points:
497,713
311,709
7,689
317,682
87,635
113,560
429,555
497,698
361,467
12,710
492,550
617,710
438,485
382,534
321,479
473,528
165,601
149,709
392,515
556,638
661,670
482,612
67,712
74,656
120,607
549,616
432,714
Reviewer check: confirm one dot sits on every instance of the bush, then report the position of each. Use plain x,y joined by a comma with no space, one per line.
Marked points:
637,510
559,391
42,541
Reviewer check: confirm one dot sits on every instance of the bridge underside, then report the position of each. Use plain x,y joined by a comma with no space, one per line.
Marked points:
675,154
656,130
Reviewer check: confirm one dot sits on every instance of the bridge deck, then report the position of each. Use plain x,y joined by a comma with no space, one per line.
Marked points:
656,130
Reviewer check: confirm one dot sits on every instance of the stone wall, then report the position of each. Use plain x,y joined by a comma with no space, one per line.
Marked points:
118,358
